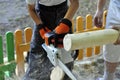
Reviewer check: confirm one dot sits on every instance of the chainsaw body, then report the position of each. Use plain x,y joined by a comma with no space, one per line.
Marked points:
59,57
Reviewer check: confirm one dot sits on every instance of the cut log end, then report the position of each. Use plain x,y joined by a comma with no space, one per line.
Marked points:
67,42
57,74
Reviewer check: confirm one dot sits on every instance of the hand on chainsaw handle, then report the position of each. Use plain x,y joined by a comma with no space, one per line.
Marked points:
63,26
56,37
43,30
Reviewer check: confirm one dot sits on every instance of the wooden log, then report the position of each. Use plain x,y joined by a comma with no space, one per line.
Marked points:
57,74
90,39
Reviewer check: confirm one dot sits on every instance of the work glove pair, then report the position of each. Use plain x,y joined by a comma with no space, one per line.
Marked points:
56,36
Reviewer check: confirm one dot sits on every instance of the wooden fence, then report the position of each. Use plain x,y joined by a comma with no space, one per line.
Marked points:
7,67
80,27
21,40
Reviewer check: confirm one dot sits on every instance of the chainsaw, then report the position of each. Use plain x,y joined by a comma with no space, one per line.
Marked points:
58,57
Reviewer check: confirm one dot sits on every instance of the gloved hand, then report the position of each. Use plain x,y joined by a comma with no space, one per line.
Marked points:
63,26
43,30
56,36
55,39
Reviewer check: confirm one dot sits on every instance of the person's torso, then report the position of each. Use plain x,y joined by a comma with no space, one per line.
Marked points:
116,2
46,2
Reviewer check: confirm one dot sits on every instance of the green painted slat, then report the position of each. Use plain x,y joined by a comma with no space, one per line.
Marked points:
10,68
1,58
1,50
10,46
2,75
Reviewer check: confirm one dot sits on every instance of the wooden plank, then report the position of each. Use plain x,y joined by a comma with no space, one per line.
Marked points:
25,47
79,24
1,58
79,27
10,46
28,34
1,50
104,18
19,54
89,26
97,50
8,67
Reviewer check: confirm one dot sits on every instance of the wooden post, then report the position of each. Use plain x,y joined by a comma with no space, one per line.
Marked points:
1,58
79,27
1,50
10,46
89,26
19,55
21,47
28,34
5,65
97,48
10,52
104,18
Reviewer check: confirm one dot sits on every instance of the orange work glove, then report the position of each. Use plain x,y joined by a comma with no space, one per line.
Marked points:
42,30
63,26
56,37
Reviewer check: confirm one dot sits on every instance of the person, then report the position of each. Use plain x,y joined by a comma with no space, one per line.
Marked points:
111,52
52,17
